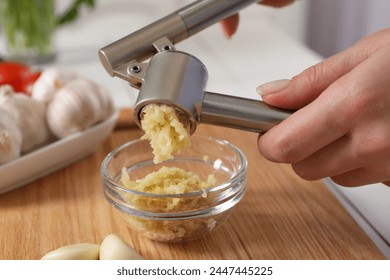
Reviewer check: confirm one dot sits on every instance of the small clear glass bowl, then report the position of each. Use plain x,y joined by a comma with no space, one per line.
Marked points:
196,213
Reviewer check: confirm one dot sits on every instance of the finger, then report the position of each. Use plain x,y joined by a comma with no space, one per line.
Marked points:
361,177
230,25
309,129
332,115
365,144
308,85
332,110
332,160
276,3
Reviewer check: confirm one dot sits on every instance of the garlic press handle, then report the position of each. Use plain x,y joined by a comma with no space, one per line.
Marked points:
201,14
175,27
240,113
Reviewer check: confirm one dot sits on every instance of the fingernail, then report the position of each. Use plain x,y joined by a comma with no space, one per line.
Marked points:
272,87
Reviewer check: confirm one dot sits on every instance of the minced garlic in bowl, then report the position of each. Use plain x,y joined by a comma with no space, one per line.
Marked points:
181,199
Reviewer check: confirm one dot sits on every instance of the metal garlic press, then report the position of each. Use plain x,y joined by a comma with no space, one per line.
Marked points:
149,61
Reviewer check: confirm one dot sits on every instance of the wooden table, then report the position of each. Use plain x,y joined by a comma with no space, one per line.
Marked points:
280,217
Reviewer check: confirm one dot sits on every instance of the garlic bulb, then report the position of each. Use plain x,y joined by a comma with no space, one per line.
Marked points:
10,137
78,105
49,82
29,116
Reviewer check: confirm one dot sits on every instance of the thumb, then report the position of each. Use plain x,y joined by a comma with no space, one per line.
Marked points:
308,85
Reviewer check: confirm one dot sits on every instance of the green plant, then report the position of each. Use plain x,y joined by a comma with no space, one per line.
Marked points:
28,24
73,11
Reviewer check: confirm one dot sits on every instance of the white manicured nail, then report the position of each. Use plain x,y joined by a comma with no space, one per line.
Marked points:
272,87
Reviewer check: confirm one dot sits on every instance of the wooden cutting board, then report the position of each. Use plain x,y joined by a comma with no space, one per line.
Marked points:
280,217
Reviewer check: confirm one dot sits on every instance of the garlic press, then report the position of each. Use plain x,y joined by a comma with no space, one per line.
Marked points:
150,62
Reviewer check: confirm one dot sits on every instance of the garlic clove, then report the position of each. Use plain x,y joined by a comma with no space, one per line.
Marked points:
6,91
77,106
106,104
49,82
114,247
10,138
29,116
82,251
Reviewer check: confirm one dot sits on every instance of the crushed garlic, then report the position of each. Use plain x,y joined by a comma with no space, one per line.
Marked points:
166,180
169,180
165,131
168,133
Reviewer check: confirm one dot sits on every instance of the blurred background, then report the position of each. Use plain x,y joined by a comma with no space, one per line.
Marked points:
327,27
334,25
270,44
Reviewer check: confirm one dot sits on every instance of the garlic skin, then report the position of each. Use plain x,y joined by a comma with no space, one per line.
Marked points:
81,251
51,80
10,138
114,247
29,116
80,104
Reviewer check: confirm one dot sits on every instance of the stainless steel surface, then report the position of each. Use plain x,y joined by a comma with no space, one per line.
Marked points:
135,73
138,46
240,113
176,79
176,27
201,14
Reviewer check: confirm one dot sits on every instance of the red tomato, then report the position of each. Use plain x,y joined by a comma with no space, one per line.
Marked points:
28,82
12,73
19,76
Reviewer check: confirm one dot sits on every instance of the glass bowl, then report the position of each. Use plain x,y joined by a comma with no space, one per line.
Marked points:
171,217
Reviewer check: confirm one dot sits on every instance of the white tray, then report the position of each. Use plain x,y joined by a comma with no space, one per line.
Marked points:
54,156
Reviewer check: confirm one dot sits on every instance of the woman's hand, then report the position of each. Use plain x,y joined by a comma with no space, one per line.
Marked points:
230,24
342,130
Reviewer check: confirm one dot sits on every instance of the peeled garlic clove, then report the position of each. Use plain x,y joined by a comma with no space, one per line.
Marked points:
114,247
10,137
49,82
82,251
